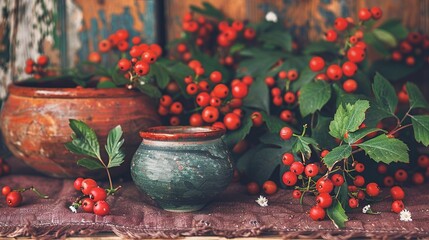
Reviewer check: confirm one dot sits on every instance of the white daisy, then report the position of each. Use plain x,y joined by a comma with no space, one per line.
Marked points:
262,201
271,17
73,209
405,216
366,208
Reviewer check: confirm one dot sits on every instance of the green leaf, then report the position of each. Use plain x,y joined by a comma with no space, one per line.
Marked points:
385,37
320,133
106,84
258,62
258,96
394,71
212,64
421,128
113,147
337,154
385,94
91,164
386,150
417,100
150,90
348,118
236,48
273,123
280,39
321,47
234,137
371,39
314,96
337,214
208,10
119,79
305,77
178,71
395,27
84,140
160,73
302,145
361,133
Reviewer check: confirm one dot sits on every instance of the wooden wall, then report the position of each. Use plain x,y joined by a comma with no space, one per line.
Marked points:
65,30
308,19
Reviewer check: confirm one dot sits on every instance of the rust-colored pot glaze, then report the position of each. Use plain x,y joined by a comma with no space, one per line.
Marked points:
34,122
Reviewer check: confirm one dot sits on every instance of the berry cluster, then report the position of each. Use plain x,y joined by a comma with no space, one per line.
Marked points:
14,196
284,99
392,176
4,167
216,103
412,49
93,198
38,68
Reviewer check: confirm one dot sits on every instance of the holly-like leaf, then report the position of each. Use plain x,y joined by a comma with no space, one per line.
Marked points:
337,154
150,90
313,97
280,39
305,77
160,73
208,10
106,84
258,63
386,150
337,214
113,147
234,137
371,39
321,47
320,134
421,128
258,96
394,71
395,27
361,133
417,100
385,37
348,118
118,78
84,140
385,94
273,123
302,145
90,163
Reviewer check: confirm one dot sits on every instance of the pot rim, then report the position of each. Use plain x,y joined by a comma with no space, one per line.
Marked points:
182,133
46,92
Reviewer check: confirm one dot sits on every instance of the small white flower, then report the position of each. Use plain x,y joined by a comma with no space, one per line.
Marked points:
366,208
271,17
262,201
73,209
405,216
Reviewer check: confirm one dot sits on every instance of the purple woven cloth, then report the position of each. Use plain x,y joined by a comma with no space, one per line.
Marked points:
234,213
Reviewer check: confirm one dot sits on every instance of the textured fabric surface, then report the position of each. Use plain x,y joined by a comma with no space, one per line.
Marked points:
233,213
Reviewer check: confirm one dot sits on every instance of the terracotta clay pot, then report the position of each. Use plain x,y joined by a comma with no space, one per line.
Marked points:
35,122
182,168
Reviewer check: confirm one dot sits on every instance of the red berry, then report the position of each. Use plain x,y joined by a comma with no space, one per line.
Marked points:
203,99
289,97
216,77
166,100
181,48
156,49
331,36
88,205
322,77
215,102
286,115
219,125
101,208
276,91
364,14
376,13
359,181
350,86
253,188
94,57
123,46
269,187
397,206
141,68
136,40
297,168
257,119
249,33
6,190
415,38
397,193
286,133
388,181
316,64
317,213
324,153
176,108
196,120
289,178
192,89
401,175
124,64
296,194
353,203
337,179
356,54
359,167
292,75
334,72
382,168
324,200
396,56
423,161
349,68
232,121
372,189
238,25
87,185
203,86
104,45
270,81
418,178
340,24
283,74
248,80
42,60
78,183
13,199
288,158
210,114
311,170
324,185
361,45
277,100
221,90
239,90
410,60
97,194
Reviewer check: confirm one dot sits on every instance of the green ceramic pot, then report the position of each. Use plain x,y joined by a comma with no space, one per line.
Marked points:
182,168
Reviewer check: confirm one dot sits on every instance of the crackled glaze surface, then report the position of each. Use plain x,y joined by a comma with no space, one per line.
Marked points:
182,175
34,122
